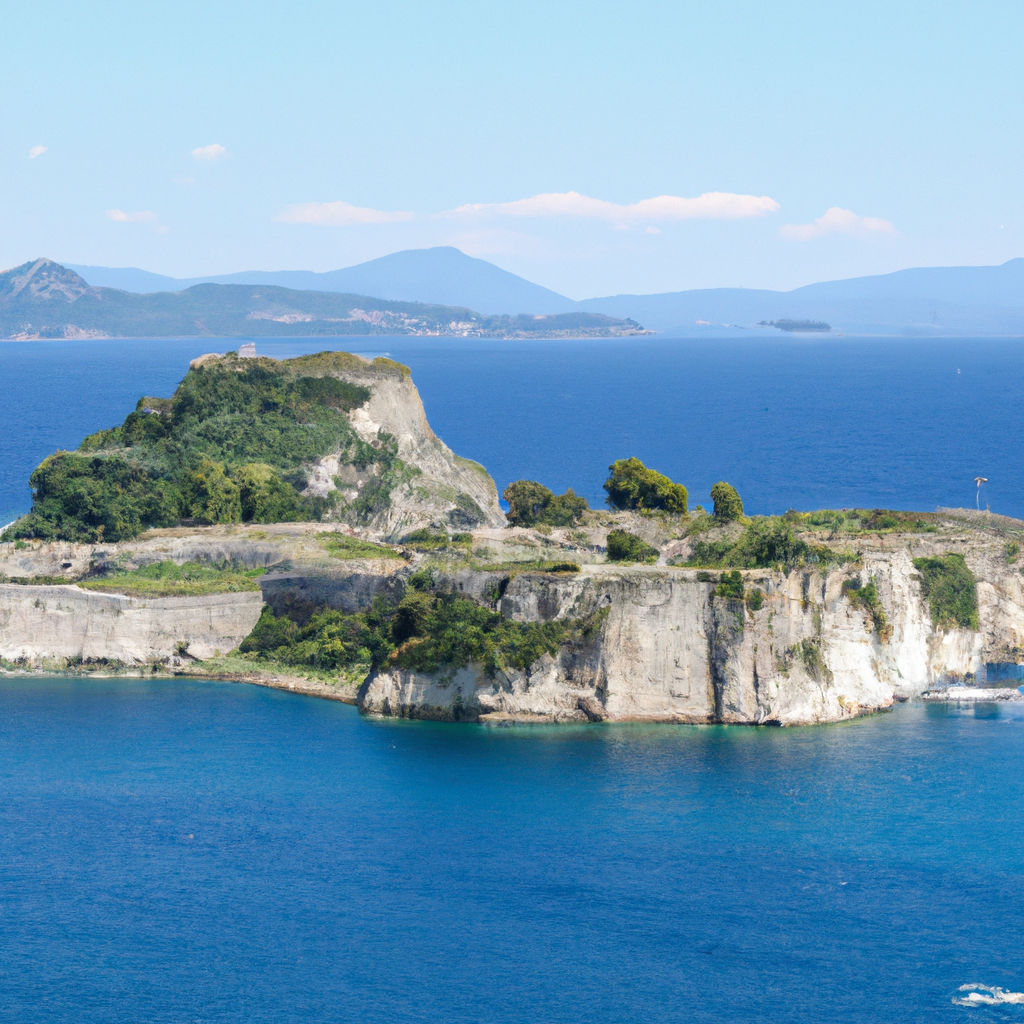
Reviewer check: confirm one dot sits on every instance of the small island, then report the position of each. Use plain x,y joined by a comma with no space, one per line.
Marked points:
817,326
297,524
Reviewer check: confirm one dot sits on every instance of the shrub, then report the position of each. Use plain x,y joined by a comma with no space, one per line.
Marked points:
633,486
209,496
866,597
755,599
730,586
530,503
168,579
1012,552
628,547
951,591
728,506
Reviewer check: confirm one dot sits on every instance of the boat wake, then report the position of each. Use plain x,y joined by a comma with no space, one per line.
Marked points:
986,995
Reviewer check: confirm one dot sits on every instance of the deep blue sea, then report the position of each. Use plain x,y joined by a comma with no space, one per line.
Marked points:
179,851
803,423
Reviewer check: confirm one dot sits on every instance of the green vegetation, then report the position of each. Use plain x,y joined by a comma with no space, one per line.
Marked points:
755,599
767,543
624,546
536,565
530,503
730,586
1012,551
341,545
728,506
866,596
951,591
166,579
227,448
633,486
425,631
862,520
438,542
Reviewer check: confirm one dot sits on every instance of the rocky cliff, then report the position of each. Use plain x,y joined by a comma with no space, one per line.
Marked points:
815,643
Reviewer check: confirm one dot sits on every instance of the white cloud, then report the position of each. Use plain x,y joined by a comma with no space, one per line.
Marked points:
36,151
710,205
212,152
339,214
836,220
138,217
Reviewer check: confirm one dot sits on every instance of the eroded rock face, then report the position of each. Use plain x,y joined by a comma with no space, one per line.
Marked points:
440,488
669,649
51,626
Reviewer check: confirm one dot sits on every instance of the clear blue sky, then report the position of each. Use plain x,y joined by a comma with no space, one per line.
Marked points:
904,119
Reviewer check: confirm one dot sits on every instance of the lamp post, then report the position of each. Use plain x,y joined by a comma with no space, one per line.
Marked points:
979,480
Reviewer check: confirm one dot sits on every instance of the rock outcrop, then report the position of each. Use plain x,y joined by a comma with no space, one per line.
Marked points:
60,625
670,649
440,487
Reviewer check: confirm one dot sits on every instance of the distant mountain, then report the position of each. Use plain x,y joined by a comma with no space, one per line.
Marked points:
921,301
441,276
42,299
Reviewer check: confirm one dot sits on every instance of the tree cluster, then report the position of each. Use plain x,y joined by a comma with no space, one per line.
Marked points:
530,503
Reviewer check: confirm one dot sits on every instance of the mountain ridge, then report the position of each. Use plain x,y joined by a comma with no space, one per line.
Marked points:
917,300
43,299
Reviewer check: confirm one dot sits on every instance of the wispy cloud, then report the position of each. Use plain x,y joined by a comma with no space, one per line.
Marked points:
215,151
138,217
339,214
709,205
838,221
36,151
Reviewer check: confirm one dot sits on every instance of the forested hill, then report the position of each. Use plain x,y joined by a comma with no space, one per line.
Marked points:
43,299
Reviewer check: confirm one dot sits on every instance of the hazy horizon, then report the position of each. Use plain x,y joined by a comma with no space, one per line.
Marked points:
663,148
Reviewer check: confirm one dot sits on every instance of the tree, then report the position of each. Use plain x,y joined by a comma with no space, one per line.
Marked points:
628,547
530,503
728,506
526,500
633,486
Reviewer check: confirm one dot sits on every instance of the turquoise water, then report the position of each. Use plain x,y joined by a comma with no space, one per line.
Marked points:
203,852
790,422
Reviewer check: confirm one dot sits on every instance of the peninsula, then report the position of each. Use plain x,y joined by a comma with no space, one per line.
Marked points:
298,524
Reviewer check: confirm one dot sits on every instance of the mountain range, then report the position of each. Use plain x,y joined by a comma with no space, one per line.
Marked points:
43,299
922,301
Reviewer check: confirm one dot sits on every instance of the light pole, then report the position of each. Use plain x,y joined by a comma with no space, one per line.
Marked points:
979,480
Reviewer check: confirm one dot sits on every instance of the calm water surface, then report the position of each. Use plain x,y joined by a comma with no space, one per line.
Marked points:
790,422
186,851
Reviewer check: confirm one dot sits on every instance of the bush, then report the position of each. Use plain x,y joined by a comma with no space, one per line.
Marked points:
530,503
730,586
755,599
91,499
628,547
633,486
951,591
728,506
866,597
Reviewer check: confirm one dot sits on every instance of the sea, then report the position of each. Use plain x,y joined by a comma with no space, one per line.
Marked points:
176,850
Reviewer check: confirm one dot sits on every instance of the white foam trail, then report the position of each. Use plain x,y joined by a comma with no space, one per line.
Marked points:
987,995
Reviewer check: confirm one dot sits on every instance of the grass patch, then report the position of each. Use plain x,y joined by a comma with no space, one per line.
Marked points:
863,520
766,543
537,565
437,541
341,545
167,579
951,591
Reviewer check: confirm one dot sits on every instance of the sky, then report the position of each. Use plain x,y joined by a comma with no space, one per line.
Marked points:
595,148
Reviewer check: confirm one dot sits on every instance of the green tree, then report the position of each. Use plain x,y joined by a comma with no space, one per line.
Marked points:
633,486
210,496
728,506
264,497
624,546
530,503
